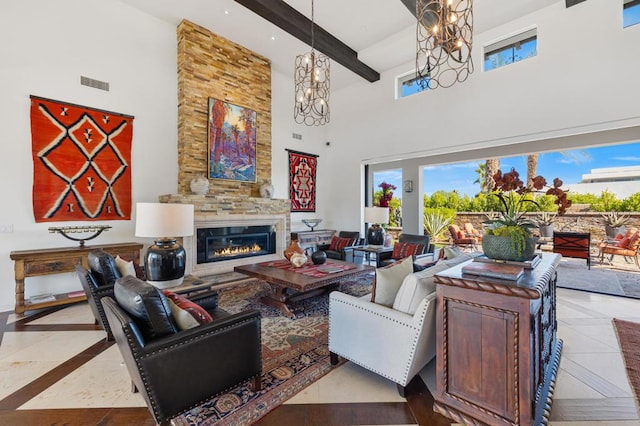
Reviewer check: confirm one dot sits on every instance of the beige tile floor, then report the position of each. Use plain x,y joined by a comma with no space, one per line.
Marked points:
590,354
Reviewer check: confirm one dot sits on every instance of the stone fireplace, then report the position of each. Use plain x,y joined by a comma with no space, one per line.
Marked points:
231,231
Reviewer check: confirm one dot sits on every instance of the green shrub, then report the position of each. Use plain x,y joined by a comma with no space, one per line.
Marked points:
437,220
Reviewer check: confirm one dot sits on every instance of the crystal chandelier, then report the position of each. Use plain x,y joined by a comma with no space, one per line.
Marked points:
444,37
311,76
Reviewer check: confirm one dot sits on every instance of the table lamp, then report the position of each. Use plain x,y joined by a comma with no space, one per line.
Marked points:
375,216
165,260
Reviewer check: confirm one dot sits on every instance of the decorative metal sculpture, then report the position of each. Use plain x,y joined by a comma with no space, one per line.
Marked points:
444,38
311,76
65,230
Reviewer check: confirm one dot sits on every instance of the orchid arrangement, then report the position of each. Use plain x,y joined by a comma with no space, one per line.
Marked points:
514,195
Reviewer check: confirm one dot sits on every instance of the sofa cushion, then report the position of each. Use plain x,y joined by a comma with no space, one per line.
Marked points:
388,281
338,243
103,266
418,285
451,252
146,305
196,311
402,250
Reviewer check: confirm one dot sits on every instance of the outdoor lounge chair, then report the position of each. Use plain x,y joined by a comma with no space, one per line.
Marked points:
626,246
459,238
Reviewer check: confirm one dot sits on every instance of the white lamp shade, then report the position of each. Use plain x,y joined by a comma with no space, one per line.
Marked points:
376,215
157,220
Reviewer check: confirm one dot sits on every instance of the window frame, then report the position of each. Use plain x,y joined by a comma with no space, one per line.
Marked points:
509,41
626,5
404,78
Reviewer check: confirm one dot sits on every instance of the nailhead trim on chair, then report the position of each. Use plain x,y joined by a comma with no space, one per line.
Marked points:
143,376
413,346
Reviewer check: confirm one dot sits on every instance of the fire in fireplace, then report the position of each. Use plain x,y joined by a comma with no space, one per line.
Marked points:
234,242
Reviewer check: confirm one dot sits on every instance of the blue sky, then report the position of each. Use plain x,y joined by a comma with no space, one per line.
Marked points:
568,166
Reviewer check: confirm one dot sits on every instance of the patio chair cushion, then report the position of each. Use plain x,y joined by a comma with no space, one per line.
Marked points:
624,242
388,281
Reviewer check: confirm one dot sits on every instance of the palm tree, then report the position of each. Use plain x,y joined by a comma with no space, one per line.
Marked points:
218,114
532,168
492,166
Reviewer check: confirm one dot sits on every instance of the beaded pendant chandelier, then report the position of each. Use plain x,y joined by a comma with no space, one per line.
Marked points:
311,76
444,38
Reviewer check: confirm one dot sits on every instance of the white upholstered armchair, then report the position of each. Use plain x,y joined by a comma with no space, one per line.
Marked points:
390,343
395,338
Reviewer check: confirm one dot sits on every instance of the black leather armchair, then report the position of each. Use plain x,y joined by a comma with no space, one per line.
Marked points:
354,238
387,258
97,282
178,370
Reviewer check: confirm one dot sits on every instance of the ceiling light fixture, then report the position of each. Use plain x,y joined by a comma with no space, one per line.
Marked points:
311,77
444,39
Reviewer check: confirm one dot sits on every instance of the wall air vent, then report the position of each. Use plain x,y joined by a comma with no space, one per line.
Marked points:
297,136
96,84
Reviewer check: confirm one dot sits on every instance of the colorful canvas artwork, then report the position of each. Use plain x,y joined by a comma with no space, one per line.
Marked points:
81,162
231,142
302,181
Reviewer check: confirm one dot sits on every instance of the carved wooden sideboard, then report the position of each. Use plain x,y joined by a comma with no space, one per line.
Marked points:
32,263
497,354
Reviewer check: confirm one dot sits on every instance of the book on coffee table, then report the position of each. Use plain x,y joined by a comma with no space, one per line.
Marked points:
501,271
526,264
330,269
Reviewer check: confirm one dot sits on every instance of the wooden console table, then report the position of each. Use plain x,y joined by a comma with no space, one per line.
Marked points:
32,263
497,354
312,239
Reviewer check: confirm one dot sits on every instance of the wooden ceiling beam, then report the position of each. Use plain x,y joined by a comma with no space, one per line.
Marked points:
295,23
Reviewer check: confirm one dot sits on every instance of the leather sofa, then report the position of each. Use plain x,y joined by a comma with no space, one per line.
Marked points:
178,369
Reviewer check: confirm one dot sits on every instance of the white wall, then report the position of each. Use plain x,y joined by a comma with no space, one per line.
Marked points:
584,79
46,46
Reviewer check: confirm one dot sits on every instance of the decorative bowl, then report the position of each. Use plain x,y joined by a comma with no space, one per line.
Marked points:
311,223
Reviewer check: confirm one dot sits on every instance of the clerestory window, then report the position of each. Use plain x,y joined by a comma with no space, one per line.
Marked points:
511,49
630,13
408,84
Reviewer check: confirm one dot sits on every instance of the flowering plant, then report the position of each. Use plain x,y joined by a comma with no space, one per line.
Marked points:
514,195
387,194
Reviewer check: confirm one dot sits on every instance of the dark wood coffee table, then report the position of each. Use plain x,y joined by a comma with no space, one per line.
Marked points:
289,284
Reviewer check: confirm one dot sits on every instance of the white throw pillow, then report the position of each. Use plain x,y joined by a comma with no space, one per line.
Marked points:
389,280
184,320
418,285
125,268
451,252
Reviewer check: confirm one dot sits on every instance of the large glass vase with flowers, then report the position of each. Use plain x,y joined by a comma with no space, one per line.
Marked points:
508,235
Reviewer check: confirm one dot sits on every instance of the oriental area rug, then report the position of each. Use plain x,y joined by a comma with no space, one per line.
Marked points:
629,339
295,354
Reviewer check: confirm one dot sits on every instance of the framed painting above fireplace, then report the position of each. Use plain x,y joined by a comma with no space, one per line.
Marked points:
231,138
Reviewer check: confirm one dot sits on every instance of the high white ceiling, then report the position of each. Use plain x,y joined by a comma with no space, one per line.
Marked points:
381,31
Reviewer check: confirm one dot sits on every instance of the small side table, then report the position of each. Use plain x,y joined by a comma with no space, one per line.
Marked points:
368,250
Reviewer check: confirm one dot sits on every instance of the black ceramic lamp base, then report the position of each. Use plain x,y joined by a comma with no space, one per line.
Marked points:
375,235
165,263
